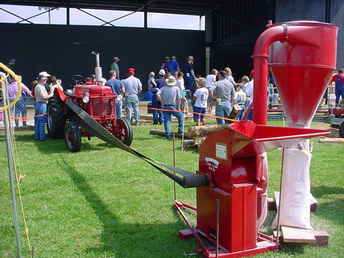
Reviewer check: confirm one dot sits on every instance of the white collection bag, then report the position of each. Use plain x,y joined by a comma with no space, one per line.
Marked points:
296,197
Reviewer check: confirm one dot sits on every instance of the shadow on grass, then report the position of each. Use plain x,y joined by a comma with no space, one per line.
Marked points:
47,146
293,249
56,145
89,146
319,191
125,240
334,208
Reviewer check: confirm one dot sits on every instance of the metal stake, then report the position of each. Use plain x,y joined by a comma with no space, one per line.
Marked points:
174,165
217,226
9,149
183,140
280,198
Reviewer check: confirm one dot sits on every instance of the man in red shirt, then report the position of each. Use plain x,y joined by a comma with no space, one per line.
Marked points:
338,79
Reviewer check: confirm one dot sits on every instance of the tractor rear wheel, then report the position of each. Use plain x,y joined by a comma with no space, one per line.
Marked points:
341,130
72,135
124,132
56,117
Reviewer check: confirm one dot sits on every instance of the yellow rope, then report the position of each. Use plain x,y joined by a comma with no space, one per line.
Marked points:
15,77
17,169
13,144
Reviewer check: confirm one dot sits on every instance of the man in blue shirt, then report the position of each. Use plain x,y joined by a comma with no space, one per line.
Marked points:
173,66
189,74
117,88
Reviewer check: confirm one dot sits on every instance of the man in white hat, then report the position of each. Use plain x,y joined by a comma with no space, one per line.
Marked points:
41,97
171,96
44,74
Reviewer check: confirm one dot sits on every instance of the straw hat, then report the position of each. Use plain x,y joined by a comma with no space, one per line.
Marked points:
171,81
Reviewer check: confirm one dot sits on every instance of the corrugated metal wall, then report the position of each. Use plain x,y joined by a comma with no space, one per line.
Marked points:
289,10
337,17
235,28
319,10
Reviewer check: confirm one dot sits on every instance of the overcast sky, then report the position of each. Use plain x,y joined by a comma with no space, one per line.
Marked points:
155,20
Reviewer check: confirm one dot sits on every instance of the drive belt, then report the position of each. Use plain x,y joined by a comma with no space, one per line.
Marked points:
184,178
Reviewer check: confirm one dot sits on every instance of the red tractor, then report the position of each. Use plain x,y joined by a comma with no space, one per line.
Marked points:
97,100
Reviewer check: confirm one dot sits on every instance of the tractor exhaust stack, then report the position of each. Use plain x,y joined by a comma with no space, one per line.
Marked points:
98,68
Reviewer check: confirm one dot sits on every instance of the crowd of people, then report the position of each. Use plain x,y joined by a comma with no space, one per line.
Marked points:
174,91
218,95
42,88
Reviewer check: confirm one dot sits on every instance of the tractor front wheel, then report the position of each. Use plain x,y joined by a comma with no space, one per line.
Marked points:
341,130
72,136
124,132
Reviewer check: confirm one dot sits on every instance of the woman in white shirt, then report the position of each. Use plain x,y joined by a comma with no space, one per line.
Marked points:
201,98
211,85
180,85
180,81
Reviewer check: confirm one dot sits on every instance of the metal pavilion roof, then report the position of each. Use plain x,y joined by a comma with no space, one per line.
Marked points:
194,7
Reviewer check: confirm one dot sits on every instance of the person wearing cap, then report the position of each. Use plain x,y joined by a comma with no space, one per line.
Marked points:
224,95
160,81
173,66
115,66
170,97
118,89
41,97
47,75
132,87
189,73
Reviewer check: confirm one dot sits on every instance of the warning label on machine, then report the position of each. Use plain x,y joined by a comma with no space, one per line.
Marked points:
221,151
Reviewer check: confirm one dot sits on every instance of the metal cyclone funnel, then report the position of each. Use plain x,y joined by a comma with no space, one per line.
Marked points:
302,65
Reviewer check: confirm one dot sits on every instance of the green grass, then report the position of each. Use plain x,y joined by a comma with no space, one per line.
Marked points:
103,202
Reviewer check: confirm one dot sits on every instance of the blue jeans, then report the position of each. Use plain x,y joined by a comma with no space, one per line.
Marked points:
118,107
132,105
189,83
157,115
20,111
40,120
198,117
339,93
224,109
167,120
